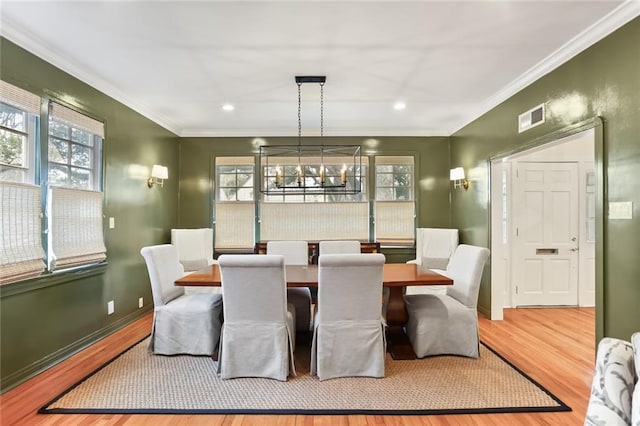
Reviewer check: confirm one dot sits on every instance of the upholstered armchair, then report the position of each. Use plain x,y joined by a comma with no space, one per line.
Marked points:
194,246
434,247
447,324
615,393
182,323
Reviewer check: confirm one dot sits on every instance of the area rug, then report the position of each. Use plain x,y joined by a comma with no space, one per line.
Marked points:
137,382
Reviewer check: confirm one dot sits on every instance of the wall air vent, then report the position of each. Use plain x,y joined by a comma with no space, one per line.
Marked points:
531,118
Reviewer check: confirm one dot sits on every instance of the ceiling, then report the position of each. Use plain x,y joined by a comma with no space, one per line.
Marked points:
179,62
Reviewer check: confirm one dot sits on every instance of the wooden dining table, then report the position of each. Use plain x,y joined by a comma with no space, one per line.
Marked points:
395,277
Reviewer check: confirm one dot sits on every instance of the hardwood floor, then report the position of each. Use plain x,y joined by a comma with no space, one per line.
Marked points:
553,346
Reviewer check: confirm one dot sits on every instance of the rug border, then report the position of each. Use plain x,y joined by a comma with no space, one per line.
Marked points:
561,407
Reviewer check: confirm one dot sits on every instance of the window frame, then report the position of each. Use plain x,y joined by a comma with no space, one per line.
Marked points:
28,167
95,171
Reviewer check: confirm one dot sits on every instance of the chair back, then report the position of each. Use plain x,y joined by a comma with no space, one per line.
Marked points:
350,286
435,246
253,287
294,252
465,268
194,246
339,247
164,269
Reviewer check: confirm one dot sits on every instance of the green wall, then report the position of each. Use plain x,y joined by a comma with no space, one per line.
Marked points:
603,81
45,319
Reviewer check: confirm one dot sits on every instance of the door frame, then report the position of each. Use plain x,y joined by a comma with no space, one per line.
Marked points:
597,124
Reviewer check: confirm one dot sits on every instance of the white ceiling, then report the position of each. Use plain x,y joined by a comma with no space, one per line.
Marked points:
178,62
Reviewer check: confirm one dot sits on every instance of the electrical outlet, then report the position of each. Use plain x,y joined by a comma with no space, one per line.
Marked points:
112,223
140,302
110,307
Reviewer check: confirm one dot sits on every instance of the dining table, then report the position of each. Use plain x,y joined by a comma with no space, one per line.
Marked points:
395,277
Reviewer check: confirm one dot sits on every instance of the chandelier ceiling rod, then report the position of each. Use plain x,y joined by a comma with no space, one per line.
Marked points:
325,177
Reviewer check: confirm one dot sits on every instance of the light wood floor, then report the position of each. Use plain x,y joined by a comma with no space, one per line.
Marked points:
553,346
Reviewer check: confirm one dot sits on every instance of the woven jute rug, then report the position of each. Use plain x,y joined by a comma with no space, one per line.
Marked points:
140,382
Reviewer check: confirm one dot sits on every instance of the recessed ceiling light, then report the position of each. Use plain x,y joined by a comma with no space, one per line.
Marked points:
228,107
399,106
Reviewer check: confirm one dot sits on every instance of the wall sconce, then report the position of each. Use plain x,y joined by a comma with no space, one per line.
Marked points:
457,176
158,175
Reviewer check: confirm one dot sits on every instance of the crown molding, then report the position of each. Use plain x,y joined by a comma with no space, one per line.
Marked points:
615,19
624,13
289,133
41,49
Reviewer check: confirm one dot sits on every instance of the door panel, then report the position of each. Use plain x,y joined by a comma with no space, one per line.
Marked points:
546,234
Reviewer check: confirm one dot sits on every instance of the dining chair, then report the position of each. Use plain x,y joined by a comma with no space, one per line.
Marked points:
447,324
195,251
182,323
295,253
194,246
338,247
258,335
348,337
434,248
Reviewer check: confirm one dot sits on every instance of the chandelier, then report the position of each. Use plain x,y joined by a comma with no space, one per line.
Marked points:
308,168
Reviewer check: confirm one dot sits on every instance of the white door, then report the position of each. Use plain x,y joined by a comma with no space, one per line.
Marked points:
546,239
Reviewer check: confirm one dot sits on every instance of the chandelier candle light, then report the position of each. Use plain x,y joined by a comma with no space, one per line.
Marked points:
310,168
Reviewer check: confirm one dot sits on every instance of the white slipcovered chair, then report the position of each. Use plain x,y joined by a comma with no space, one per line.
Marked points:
195,251
348,336
447,324
195,247
338,247
258,332
295,253
434,248
182,323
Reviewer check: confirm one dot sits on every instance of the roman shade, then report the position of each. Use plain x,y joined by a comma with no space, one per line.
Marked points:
75,227
21,253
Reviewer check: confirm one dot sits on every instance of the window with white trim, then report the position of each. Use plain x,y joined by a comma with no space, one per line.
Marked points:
395,205
19,112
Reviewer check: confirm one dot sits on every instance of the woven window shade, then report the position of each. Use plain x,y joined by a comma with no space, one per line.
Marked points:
234,225
75,119
75,227
19,98
395,223
314,221
21,254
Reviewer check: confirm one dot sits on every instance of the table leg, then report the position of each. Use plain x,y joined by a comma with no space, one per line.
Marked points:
398,343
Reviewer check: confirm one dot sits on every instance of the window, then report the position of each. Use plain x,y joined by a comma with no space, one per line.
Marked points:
74,197
75,149
314,217
234,214
289,165
19,111
395,206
